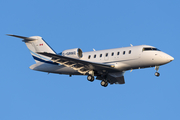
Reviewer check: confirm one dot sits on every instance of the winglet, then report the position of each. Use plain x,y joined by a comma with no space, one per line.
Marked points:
26,39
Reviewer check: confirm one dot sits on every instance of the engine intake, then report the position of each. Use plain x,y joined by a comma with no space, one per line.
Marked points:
74,53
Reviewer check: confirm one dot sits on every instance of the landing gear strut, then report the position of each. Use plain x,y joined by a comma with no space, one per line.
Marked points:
157,73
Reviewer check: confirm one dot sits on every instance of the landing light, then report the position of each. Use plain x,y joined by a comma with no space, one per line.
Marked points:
112,66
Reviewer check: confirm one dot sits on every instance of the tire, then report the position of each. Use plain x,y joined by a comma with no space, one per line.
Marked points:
90,78
157,74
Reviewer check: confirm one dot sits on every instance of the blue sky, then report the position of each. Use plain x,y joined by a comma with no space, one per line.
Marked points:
88,24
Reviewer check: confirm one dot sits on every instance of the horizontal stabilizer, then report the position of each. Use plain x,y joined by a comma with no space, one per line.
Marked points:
26,39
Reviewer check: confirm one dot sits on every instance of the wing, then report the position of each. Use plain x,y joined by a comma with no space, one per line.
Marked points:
81,66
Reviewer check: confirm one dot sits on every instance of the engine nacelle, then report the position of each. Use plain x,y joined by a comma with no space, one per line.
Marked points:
73,53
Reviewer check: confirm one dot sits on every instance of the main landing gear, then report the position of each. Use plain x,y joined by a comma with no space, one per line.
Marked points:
104,83
157,73
90,78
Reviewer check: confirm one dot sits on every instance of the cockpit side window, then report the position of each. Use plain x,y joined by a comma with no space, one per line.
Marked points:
155,49
150,49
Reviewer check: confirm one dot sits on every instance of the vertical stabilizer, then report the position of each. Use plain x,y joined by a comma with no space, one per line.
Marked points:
37,44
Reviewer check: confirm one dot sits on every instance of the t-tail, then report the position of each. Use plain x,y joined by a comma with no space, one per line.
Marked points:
36,44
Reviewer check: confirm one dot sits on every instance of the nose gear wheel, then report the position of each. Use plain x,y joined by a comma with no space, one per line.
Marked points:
157,74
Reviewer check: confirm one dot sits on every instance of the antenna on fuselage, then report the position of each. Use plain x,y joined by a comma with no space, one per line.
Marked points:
94,49
131,45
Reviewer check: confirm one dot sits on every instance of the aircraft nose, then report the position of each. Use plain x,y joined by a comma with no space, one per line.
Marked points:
169,58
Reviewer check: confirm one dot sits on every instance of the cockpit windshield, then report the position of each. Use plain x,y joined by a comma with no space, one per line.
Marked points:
150,49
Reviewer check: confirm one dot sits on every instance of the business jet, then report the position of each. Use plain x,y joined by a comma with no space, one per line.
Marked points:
108,65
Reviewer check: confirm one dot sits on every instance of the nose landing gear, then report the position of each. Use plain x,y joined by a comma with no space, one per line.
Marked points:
157,73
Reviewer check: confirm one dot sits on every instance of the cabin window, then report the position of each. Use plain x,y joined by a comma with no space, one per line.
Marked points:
89,56
129,51
118,53
112,54
124,52
106,54
94,56
100,55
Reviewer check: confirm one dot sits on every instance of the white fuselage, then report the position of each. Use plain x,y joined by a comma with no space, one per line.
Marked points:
125,58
